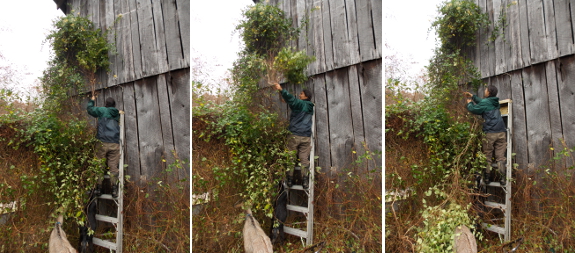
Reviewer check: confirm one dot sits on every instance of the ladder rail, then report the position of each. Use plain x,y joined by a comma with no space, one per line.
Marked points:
117,221
506,205
307,211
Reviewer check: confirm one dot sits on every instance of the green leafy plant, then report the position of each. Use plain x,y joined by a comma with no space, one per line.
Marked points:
266,32
80,50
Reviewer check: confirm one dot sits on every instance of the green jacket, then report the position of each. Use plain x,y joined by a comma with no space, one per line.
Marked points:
108,126
488,108
301,114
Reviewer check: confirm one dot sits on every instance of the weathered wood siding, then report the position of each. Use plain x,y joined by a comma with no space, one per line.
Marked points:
346,78
149,78
533,63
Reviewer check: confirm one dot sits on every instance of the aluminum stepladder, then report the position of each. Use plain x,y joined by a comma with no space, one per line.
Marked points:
117,221
505,230
307,211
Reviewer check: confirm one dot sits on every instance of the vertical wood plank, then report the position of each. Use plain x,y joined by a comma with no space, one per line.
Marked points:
160,34
316,36
132,155
173,40
554,108
563,27
367,46
109,18
149,51
166,123
514,41
356,112
340,122
149,128
537,36
352,34
537,114
519,123
339,33
300,16
566,91
179,94
491,60
370,83
322,147
551,51
524,27
135,40
500,60
183,8
484,48
376,13
327,36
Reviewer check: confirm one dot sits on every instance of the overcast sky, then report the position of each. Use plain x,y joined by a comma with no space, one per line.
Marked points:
23,27
406,28
25,24
212,33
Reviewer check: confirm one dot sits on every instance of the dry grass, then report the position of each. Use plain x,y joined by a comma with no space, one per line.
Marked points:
156,218
347,213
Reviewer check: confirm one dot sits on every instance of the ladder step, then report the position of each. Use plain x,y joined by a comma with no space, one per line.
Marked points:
295,231
106,219
104,243
297,187
494,184
300,209
495,205
107,196
493,228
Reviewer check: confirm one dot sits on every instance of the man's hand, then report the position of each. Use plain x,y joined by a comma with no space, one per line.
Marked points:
277,86
93,98
467,94
468,100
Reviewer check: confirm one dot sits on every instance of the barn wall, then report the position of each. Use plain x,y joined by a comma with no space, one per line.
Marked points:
533,63
346,78
149,78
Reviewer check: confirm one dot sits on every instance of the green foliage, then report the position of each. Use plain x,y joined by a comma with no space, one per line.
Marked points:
452,136
257,146
292,64
266,32
458,23
438,233
67,165
63,141
77,43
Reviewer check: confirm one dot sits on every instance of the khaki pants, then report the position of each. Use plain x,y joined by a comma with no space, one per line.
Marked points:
495,142
110,151
303,147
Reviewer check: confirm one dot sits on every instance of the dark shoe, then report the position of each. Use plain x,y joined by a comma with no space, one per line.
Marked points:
503,172
486,177
115,191
289,181
98,190
305,183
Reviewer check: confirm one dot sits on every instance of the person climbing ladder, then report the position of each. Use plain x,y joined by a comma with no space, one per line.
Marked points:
300,127
109,136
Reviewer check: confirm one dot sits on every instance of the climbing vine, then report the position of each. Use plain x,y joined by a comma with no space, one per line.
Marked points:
252,131
451,135
58,132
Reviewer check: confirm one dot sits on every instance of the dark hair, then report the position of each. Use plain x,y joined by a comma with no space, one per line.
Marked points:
308,94
110,102
492,90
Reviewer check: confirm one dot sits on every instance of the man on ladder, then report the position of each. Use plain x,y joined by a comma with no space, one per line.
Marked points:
494,129
300,127
109,136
